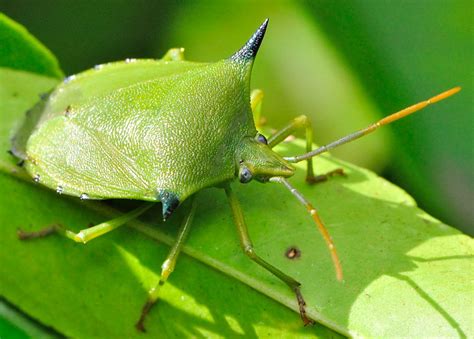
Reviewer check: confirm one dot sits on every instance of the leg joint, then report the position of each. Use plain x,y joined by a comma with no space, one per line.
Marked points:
303,120
250,252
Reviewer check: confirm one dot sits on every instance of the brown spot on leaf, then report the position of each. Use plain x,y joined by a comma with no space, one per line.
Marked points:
293,253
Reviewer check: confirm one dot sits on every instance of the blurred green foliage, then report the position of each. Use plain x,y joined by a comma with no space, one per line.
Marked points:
22,51
396,52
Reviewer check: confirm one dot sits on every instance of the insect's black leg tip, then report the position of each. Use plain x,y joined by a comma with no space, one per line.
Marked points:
22,235
316,179
140,327
302,307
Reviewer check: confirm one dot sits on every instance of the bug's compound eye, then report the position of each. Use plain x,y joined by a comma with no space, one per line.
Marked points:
245,175
261,138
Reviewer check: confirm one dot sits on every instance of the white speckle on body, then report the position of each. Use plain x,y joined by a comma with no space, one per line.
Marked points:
69,79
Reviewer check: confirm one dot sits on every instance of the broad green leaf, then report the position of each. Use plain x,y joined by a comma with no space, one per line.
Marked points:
403,269
20,50
15,324
98,290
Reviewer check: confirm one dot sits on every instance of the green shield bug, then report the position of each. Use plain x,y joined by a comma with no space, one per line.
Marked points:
161,131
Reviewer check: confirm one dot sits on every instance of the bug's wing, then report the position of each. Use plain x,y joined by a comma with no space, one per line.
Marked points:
67,155
80,139
102,80
96,82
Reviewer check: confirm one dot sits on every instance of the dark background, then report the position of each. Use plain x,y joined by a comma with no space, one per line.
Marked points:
390,54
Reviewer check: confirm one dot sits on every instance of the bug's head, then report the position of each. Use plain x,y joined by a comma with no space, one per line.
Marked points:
256,161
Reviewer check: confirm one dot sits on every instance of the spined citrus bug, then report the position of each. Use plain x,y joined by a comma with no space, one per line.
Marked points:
161,131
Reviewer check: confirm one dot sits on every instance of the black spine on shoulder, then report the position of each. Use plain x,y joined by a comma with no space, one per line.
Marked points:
170,201
250,49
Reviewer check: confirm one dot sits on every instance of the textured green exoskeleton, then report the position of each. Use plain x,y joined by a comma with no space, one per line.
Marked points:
162,130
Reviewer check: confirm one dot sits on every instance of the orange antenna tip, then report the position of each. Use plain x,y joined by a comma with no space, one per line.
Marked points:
444,95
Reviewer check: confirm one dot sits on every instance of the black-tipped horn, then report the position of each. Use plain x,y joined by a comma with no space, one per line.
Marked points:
250,49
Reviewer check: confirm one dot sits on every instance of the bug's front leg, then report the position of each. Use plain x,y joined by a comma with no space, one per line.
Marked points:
303,121
168,265
248,249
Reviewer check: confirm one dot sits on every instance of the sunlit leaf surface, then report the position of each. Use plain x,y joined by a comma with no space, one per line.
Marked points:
403,269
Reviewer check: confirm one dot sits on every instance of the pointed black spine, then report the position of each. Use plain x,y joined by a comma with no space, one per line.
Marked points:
249,50
170,202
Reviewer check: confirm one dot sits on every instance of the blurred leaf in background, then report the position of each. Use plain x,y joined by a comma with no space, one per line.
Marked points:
344,63
20,50
404,51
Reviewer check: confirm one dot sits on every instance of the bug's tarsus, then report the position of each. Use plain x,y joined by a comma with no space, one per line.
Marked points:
301,306
316,179
24,235
140,325
250,49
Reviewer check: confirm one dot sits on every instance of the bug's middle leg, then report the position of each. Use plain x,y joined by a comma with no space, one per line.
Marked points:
168,265
303,121
248,249
256,99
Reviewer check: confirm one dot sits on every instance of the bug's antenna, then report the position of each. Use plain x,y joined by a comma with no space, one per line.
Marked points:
315,215
385,121
250,49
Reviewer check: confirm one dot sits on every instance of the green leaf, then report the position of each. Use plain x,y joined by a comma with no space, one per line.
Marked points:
20,50
98,290
403,269
15,324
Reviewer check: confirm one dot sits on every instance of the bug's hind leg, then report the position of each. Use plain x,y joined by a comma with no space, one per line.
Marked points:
168,265
174,54
87,234
248,249
303,121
